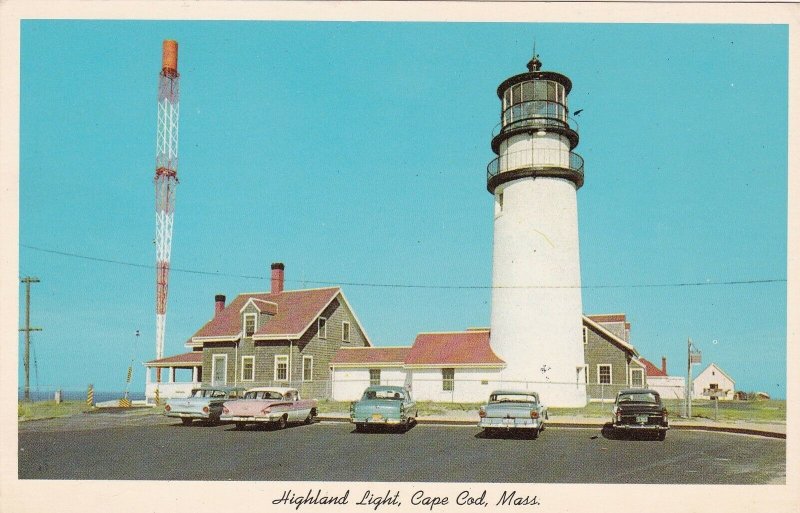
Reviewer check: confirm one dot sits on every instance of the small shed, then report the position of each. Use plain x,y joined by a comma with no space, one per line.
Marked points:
713,378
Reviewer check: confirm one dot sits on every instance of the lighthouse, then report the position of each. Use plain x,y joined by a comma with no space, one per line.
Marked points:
536,311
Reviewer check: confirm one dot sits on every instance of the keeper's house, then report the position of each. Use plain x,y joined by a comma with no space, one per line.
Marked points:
276,338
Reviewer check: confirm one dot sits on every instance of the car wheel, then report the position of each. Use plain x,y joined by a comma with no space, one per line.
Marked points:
240,425
186,422
310,418
281,422
535,434
662,435
360,428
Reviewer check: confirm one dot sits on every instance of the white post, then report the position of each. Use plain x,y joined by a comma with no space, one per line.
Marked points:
148,375
172,374
194,374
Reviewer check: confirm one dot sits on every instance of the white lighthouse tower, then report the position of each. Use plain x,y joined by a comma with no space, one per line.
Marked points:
536,323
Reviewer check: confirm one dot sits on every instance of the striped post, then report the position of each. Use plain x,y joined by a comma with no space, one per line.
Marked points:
158,398
125,403
90,397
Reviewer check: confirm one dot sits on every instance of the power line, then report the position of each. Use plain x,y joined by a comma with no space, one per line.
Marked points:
417,286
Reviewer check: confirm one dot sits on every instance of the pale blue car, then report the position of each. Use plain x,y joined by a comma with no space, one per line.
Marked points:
384,406
205,404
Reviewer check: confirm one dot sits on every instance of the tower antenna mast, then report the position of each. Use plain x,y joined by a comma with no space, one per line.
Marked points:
166,180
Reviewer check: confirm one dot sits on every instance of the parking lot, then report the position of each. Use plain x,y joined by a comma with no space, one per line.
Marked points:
159,448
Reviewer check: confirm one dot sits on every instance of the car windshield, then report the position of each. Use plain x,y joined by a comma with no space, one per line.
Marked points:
199,393
268,394
638,397
512,398
394,395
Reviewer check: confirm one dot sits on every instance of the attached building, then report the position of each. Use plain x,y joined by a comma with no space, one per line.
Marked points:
669,387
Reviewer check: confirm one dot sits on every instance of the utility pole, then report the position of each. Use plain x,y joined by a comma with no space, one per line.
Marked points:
27,329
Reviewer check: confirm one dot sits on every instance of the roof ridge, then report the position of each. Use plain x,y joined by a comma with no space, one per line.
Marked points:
449,332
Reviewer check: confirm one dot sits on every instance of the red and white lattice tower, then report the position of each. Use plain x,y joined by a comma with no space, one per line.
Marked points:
166,180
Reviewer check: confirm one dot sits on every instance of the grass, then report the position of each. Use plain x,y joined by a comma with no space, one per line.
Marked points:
49,409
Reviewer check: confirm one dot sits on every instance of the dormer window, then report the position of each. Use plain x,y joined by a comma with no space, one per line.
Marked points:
322,327
345,331
249,324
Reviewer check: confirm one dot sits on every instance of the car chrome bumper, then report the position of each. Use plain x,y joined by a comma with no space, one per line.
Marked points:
187,415
643,427
383,420
242,418
509,423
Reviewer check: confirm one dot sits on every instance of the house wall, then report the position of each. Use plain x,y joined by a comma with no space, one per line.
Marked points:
310,344
706,378
669,387
348,383
470,385
600,351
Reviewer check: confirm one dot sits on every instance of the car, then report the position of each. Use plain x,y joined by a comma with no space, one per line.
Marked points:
640,410
384,406
269,405
509,410
204,403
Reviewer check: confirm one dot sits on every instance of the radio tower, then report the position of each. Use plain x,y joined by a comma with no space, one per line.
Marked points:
166,180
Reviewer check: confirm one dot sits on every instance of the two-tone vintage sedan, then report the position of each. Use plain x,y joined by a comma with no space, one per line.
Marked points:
640,409
513,409
382,406
204,403
272,405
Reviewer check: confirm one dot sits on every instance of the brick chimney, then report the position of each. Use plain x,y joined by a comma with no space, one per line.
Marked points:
277,277
219,303
664,364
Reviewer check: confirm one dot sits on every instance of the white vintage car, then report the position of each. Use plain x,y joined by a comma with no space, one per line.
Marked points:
274,405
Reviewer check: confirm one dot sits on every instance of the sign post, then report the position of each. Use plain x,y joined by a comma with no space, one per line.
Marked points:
693,356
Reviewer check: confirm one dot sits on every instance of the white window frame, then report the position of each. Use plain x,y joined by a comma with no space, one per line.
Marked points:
214,359
280,358
311,369
346,323
610,373
322,327
253,376
244,324
371,379
585,336
641,371
452,380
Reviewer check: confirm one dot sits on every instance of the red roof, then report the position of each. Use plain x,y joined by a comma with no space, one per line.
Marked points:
191,357
650,369
367,355
607,317
295,311
454,348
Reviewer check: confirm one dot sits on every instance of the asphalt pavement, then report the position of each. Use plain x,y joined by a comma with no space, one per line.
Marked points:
157,448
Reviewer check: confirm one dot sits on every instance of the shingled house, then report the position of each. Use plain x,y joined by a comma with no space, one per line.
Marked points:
276,338
612,362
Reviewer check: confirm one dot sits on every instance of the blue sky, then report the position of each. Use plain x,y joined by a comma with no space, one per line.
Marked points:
356,153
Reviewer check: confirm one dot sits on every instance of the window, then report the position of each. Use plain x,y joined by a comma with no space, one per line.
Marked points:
219,369
322,327
308,368
448,377
249,324
604,374
281,367
637,378
585,336
345,331
374,377
500,200
248,368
